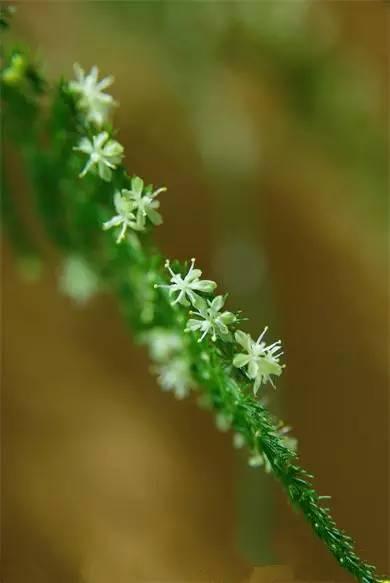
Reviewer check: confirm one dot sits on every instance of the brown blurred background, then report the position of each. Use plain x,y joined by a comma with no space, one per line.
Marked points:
265,120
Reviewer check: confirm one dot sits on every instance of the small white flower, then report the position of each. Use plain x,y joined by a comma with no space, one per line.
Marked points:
91,97
238,440
163,344
104,155
261,360
223,422
187,286
289,441
175,376
145,202
78,280
125,217
260,459
209,319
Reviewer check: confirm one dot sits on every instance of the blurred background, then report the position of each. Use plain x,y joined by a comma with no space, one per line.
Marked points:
267,122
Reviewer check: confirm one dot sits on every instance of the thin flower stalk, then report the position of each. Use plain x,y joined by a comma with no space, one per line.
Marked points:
220,370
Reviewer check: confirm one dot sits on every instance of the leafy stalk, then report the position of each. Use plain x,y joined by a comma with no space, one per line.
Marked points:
135,271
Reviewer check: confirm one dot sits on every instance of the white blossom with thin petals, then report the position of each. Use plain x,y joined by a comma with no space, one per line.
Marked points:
261,360
125,217
104,155
163,344
91,97
209,318
187,287
175,376
145,203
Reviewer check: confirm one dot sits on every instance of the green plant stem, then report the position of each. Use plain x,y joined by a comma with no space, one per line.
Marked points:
85,204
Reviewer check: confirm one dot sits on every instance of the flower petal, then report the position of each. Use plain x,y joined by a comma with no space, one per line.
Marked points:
227,318
104,83
193,274
240,360
217,303
243,339
253,369
205,285
257,384
154,216
99,140
137,184
118,201
221,327
104,172
85,146
113,148
194,325
200,304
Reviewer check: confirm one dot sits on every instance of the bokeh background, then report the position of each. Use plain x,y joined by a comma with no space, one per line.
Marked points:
267,122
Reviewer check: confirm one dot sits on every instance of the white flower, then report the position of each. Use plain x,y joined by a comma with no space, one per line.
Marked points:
125,217
223,422
289,441
163,344
91,99
260,459
186,287
104,154
238,440
144,202
261,360
78,280
209,319
175,376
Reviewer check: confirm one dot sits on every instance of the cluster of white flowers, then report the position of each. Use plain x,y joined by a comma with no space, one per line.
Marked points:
104,153
261,361
137,205
133,206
